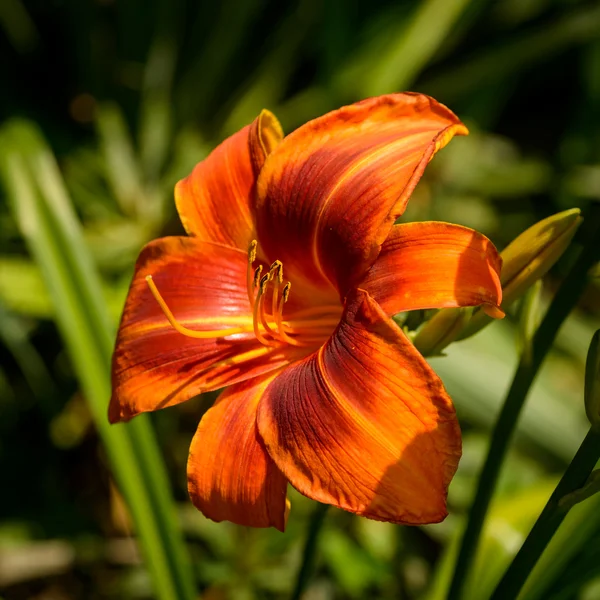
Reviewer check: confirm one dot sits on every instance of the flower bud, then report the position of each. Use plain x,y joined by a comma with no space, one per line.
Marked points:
528,258
591,392
441,330
531,255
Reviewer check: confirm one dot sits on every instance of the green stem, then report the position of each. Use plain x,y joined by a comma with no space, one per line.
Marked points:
550,518
309,554
529,365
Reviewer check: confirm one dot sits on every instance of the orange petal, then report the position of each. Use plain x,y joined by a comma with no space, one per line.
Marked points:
434,265
364,423
264,136
214,201
230,475
329,194
154,366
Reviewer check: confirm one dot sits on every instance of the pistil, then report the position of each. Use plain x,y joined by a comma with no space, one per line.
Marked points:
193,333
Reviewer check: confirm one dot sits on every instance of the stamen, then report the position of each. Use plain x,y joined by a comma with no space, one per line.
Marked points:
263,317
278,314
285,294
277,273
251,259
277,270
252,251
256,279
257,313
184,330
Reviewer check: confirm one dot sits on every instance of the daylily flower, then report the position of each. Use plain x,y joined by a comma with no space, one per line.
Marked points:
283,292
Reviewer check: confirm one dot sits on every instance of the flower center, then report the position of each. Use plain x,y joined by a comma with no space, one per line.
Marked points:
267,294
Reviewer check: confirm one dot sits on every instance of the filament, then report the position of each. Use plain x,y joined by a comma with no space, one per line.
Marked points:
257,312
277,270
256,279
279,319
263,317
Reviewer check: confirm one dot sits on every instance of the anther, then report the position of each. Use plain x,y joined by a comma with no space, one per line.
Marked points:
277,270
263,282
257,273
285,293
252,251
249,273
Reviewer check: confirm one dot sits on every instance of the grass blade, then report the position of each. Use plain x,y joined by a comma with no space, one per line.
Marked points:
402,62
52,232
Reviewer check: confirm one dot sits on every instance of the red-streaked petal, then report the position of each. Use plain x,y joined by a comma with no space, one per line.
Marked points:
364,423
329,194
230,475
154,366
434,265
214,201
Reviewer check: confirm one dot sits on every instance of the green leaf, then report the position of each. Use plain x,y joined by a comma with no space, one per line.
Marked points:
509,520
52,232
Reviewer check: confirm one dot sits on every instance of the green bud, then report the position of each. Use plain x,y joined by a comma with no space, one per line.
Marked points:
531,255
591,394
441,330
528,258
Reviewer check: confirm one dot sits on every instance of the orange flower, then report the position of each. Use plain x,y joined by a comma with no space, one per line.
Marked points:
283,292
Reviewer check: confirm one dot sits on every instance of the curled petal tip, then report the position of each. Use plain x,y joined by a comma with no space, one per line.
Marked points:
264,136
116,414
448,133
528,258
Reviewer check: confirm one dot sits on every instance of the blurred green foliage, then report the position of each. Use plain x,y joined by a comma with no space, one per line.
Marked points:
129,95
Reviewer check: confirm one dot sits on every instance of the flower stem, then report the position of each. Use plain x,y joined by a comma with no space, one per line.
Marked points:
309,554
529,365
550,518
